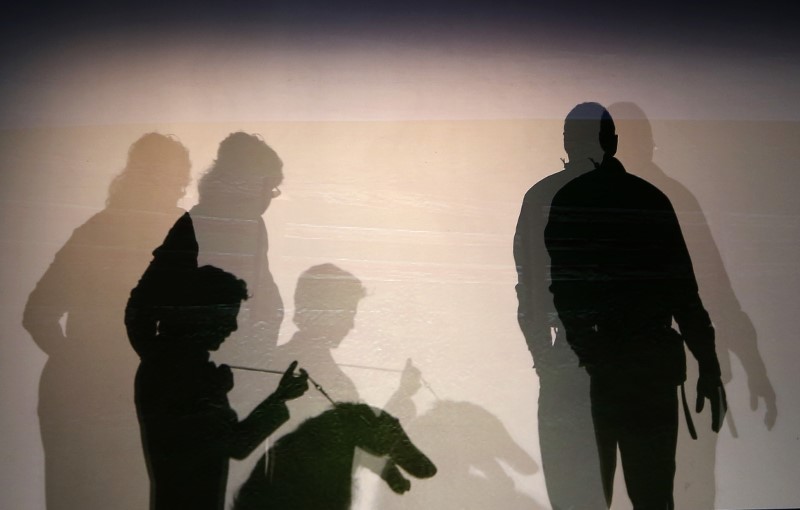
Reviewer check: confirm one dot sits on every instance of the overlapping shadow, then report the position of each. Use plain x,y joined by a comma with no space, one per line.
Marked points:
695,485
326,302
313,466
474,453
93,457
621,276
225,230
189,430
230,232
566,434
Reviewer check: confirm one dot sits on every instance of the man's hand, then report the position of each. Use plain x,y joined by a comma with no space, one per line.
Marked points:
761,388
291,385
711,388
410,379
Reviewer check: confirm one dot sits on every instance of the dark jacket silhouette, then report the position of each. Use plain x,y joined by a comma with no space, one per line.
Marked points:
621,273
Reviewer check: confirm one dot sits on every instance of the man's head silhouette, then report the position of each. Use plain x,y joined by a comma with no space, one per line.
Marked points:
244,178
204,308
589,135
326,301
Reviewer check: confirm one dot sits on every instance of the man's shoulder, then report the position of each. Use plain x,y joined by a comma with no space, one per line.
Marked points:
181,233
545,189
647,192
624,184
583,185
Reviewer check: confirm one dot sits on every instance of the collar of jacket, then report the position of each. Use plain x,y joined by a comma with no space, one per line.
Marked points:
612,165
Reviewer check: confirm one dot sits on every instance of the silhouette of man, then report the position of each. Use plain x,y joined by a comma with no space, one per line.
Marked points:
735,332
621,274
566,437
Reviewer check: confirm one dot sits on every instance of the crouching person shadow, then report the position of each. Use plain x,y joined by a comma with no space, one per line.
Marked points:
312,466
189,430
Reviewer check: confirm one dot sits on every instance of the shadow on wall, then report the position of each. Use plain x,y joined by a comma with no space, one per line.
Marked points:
176,318
695,485
621,277
81,294
326,303
474,454
312,467
566,432
226,230
334,433
86,411
230,233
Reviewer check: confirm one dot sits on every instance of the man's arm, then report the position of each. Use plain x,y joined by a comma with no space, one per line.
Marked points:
572,288
695,324
531,263
270,414
51,299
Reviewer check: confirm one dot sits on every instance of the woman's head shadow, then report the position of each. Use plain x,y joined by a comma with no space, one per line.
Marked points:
155,176
243,179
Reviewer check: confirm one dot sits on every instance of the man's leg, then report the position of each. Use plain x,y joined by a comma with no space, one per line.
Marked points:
606,419
567,441
647,443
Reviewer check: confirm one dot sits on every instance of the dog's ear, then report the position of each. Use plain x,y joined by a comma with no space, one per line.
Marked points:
394,478
403,452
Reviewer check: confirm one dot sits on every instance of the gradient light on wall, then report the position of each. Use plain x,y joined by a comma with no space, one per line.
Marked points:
407,149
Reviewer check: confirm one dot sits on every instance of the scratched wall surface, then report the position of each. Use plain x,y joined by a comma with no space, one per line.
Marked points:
408,140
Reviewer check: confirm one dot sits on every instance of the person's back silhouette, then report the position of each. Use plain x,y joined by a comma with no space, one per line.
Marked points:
620,275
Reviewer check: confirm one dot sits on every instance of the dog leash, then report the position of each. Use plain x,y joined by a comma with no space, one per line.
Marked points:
319,387
314,383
